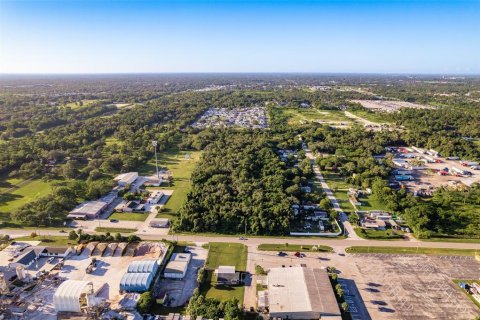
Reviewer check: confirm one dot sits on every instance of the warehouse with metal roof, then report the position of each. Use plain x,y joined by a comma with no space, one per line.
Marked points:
145,266
136,282
73,296
301,293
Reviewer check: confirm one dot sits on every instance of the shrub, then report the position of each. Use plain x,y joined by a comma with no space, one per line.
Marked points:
145,302
72,235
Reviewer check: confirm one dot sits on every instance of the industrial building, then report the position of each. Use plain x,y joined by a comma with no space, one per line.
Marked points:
125,179
177,266
73,296
301,293
88,210
139,276
136,282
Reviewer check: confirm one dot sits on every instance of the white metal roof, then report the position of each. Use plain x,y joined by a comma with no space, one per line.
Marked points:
67,296
299,290
226,269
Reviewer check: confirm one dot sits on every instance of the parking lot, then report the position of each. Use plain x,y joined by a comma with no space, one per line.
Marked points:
179,291
387,286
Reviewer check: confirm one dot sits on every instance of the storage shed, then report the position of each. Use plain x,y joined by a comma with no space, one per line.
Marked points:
136,282
145,266
73,296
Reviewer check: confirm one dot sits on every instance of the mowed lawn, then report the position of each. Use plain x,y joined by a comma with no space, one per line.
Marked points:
53,241
24,193
129,216
227,254
224,254
181,164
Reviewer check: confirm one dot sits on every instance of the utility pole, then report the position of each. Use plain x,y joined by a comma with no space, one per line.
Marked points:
155,143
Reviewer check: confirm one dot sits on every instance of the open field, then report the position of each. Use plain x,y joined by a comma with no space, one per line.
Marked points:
412,250
452,239
296,116
377,234
181,164
226,254
293,248
370,116
25,192
52,241
85,104
128,216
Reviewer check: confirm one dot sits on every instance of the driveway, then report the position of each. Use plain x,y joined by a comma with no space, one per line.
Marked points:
350,233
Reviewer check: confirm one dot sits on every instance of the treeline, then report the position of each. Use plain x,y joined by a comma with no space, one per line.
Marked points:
240,180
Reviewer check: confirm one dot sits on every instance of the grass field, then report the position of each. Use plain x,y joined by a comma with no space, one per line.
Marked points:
211,290
412,250
339,188
379,117
129,216
452,239
229,254
26,191
181,168
115,230
220,254
54,241
296,116
86,104
377,234
293,247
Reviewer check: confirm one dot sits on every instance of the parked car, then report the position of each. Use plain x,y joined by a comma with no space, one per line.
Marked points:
113,220
281,254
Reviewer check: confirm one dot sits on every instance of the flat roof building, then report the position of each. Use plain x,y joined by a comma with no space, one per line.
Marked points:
177,266
159,223
125,179
301,293
88,210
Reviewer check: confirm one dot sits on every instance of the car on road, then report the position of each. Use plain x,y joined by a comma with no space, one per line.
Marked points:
299,255
113,220
281,254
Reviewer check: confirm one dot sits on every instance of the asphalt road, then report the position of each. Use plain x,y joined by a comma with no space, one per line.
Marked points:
338,244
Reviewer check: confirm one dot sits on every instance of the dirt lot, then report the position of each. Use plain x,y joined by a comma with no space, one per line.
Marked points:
179,291
389,106
429,179
382,286
106,277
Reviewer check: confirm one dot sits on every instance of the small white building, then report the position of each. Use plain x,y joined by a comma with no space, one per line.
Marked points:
125,179
177,266
227,275
155,196
159,223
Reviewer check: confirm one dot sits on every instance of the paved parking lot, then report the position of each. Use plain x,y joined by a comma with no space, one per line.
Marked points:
386,286
179,291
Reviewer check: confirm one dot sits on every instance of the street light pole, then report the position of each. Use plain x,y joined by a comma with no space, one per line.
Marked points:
155,143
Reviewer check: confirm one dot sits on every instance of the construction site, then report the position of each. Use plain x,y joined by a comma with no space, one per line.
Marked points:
85,281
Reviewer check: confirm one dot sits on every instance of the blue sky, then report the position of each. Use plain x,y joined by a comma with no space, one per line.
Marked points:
108,36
